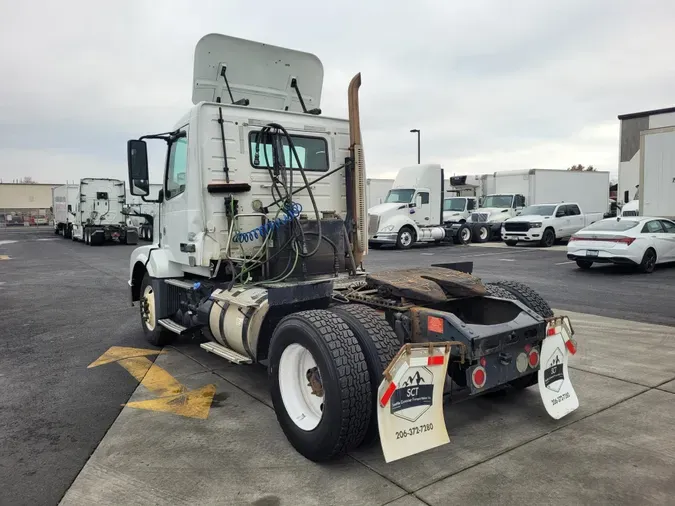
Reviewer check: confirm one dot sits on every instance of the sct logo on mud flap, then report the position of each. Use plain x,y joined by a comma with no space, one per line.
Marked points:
415,395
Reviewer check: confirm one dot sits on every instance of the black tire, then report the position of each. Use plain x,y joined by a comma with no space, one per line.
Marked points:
345,381
523,293
157,335
547,238
57,231
584,264
85,235
527,296
402,239
511,243
463,235
648,262
482,234
497,291
379,344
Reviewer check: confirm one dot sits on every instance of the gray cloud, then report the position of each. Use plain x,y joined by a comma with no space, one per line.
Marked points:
492,85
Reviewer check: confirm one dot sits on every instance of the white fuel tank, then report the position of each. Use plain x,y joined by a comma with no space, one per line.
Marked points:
431,233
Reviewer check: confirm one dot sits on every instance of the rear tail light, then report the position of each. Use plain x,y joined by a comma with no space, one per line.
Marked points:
479,377
534,358
622,240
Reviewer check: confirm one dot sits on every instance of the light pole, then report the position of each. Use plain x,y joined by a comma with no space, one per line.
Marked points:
415,130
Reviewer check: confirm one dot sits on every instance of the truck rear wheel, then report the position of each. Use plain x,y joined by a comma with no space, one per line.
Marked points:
320,385
482,233
463,235
379,344
154,333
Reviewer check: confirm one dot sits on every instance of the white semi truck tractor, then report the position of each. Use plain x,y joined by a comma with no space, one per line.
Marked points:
415,211
99,213
63,203
259,256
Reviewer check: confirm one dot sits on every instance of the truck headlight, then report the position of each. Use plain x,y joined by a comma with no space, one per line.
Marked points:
535,224
388,228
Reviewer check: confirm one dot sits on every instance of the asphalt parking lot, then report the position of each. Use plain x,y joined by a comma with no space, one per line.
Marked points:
80,424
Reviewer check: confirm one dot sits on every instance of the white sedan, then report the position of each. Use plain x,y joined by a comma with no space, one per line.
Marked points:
641,241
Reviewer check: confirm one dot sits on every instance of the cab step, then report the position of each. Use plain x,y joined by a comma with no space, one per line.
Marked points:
226,353
171,325
180,284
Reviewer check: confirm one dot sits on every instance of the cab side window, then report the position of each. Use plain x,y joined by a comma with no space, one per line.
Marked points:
176,176
573,210
425,197
471,205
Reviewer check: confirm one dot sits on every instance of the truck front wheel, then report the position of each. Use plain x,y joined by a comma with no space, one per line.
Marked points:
406,238
154,333
320,385
548,238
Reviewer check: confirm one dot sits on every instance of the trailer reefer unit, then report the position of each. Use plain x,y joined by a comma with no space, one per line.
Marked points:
99,215
63,203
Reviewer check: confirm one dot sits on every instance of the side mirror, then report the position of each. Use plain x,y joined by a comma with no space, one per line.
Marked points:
137,158
70,208
160,195
626,197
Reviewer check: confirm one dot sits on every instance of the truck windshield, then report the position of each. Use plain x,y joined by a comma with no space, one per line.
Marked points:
454,204
498,201
539,210
400,196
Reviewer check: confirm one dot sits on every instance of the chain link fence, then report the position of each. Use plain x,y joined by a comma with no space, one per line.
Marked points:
25,217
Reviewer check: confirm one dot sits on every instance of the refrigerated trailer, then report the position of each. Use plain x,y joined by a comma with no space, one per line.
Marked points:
657,173
513,190
63,202
99,216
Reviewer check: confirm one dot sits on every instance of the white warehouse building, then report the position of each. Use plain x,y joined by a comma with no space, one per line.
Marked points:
631,125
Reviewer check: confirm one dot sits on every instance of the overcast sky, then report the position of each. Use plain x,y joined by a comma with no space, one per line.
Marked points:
493,85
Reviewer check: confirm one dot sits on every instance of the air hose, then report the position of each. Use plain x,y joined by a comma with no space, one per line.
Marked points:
291,212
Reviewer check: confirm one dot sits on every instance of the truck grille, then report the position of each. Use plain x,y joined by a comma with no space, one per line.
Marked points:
516,227
630,213
479,217
373,224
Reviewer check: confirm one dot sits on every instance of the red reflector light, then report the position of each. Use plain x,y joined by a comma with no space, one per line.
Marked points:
478,377
387,394
435,360
527,348
550,331
534,358
435,324
570,346
483,361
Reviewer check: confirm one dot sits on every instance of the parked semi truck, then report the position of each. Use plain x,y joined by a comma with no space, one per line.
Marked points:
63,202
142,214
513,190
99,216
414,211
261,260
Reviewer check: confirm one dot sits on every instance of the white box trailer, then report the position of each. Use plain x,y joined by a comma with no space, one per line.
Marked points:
513,190
99,215
63,203
657,172
376,191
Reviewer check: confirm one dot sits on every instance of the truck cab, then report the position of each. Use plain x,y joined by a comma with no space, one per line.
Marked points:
486,221
457,209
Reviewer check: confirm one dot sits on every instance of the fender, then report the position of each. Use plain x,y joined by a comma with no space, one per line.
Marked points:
155,261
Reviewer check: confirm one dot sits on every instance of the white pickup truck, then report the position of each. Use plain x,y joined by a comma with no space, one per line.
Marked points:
546,223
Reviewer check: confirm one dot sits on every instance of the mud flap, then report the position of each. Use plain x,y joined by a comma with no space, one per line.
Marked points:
555,387
410,401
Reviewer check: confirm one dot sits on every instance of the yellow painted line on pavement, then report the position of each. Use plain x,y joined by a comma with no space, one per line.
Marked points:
173,397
